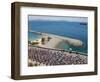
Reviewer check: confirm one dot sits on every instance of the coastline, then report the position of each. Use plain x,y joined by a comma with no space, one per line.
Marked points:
56,41
57,38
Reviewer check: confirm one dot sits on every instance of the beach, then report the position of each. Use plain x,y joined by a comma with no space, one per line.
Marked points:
75,33
55,40
52,43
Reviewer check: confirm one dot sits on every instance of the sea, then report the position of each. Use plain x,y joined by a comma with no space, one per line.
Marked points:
75,30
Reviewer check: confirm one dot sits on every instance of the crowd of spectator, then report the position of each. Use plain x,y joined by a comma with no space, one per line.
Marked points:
43,56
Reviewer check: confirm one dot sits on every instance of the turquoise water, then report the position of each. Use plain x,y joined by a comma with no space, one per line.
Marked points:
32,36
63,45
76,30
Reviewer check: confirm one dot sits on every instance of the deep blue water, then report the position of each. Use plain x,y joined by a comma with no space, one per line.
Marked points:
77,30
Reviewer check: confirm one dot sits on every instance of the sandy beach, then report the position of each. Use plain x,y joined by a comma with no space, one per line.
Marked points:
55,40
52,43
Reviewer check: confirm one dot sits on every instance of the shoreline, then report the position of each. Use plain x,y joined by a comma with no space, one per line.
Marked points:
55,40
58,49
